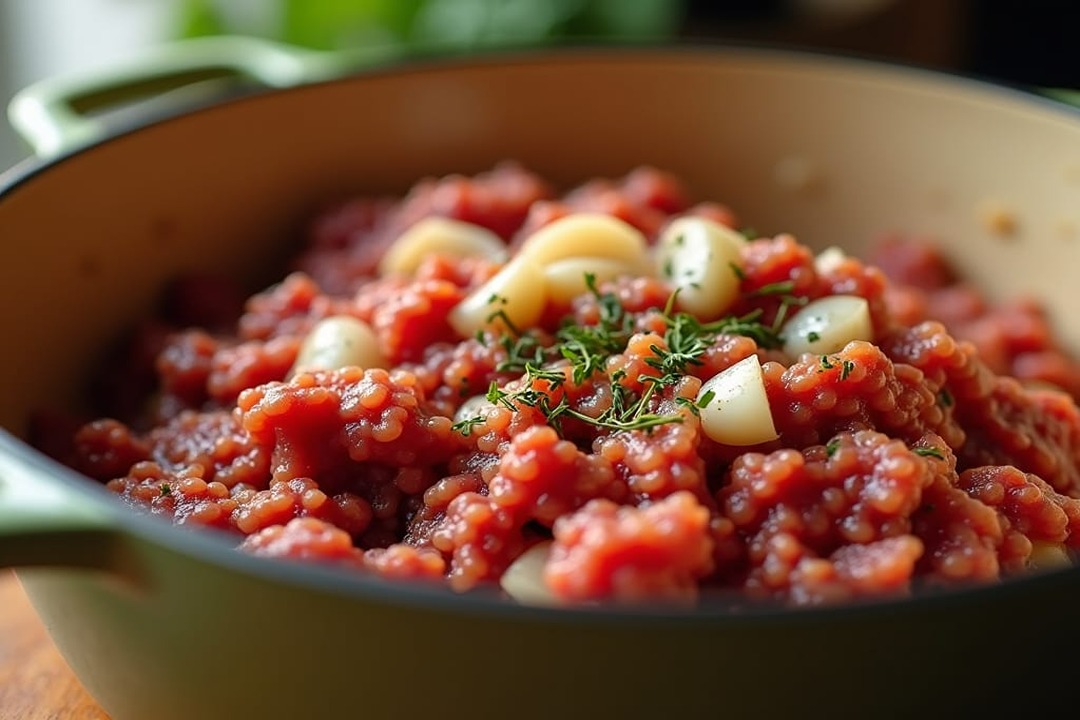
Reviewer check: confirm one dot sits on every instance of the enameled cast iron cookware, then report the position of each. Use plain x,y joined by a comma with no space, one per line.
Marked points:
168,624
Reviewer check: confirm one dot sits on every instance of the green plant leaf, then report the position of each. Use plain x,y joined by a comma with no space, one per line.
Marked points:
335,24
198,18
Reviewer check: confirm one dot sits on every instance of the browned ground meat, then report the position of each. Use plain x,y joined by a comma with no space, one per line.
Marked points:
924,455
1013,338
655,551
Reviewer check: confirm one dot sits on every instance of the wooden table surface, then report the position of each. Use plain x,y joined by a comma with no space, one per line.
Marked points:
35,682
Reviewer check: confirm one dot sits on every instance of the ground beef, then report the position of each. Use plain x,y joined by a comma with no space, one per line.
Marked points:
302,539
318,422
631,554
856,388
215,441
1014,337
944,450
183,495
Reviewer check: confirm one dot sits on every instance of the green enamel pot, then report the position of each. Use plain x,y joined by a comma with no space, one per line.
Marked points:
165,623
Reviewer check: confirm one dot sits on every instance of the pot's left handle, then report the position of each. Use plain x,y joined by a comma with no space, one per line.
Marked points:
62,113
42,523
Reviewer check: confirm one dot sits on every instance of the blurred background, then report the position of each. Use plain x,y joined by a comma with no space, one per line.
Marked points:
1032,42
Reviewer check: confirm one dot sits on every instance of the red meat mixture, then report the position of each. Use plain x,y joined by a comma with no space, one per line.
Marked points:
632,438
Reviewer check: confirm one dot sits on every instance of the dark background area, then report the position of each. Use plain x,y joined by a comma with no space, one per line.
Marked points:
1029,43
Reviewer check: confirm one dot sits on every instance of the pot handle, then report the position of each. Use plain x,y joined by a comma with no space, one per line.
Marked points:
42,524
59,114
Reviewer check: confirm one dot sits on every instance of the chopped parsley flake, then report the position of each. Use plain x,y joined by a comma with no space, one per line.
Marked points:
166,489
812,336
929,452
832,447
945,398
845,369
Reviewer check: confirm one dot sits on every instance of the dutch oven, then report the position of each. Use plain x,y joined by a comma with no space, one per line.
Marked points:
164,623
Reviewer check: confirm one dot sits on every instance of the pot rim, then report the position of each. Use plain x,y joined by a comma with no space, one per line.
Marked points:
218,548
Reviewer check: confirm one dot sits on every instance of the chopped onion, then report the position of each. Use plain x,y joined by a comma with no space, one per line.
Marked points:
701,260
588,235
735,407
515,293
827,324
566,278
829,259
476,406
524,579
438,235
339,341
1047,555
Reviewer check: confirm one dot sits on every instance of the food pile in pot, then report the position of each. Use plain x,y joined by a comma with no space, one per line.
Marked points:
605,395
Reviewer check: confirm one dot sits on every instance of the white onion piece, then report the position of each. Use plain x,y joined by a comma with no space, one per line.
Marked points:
1048,556
476,406
829,259
827,324
339,341
443,236
701,259
737,411
524,579
566,278
518,290
588,235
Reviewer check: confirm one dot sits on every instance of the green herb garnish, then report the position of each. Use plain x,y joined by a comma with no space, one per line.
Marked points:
929,452
465,427
832,446
777,288
586,350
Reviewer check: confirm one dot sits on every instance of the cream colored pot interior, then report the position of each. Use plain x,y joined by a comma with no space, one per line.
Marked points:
834,152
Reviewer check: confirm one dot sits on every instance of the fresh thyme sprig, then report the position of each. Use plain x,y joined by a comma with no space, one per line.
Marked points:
466,426
585,350
929,452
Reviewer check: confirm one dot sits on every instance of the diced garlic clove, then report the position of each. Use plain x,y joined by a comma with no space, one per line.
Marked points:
701,260
339,341
474,407
566,278
524,579
438,235
588,235
827,324
1047,555
734,406
829,259
515,293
